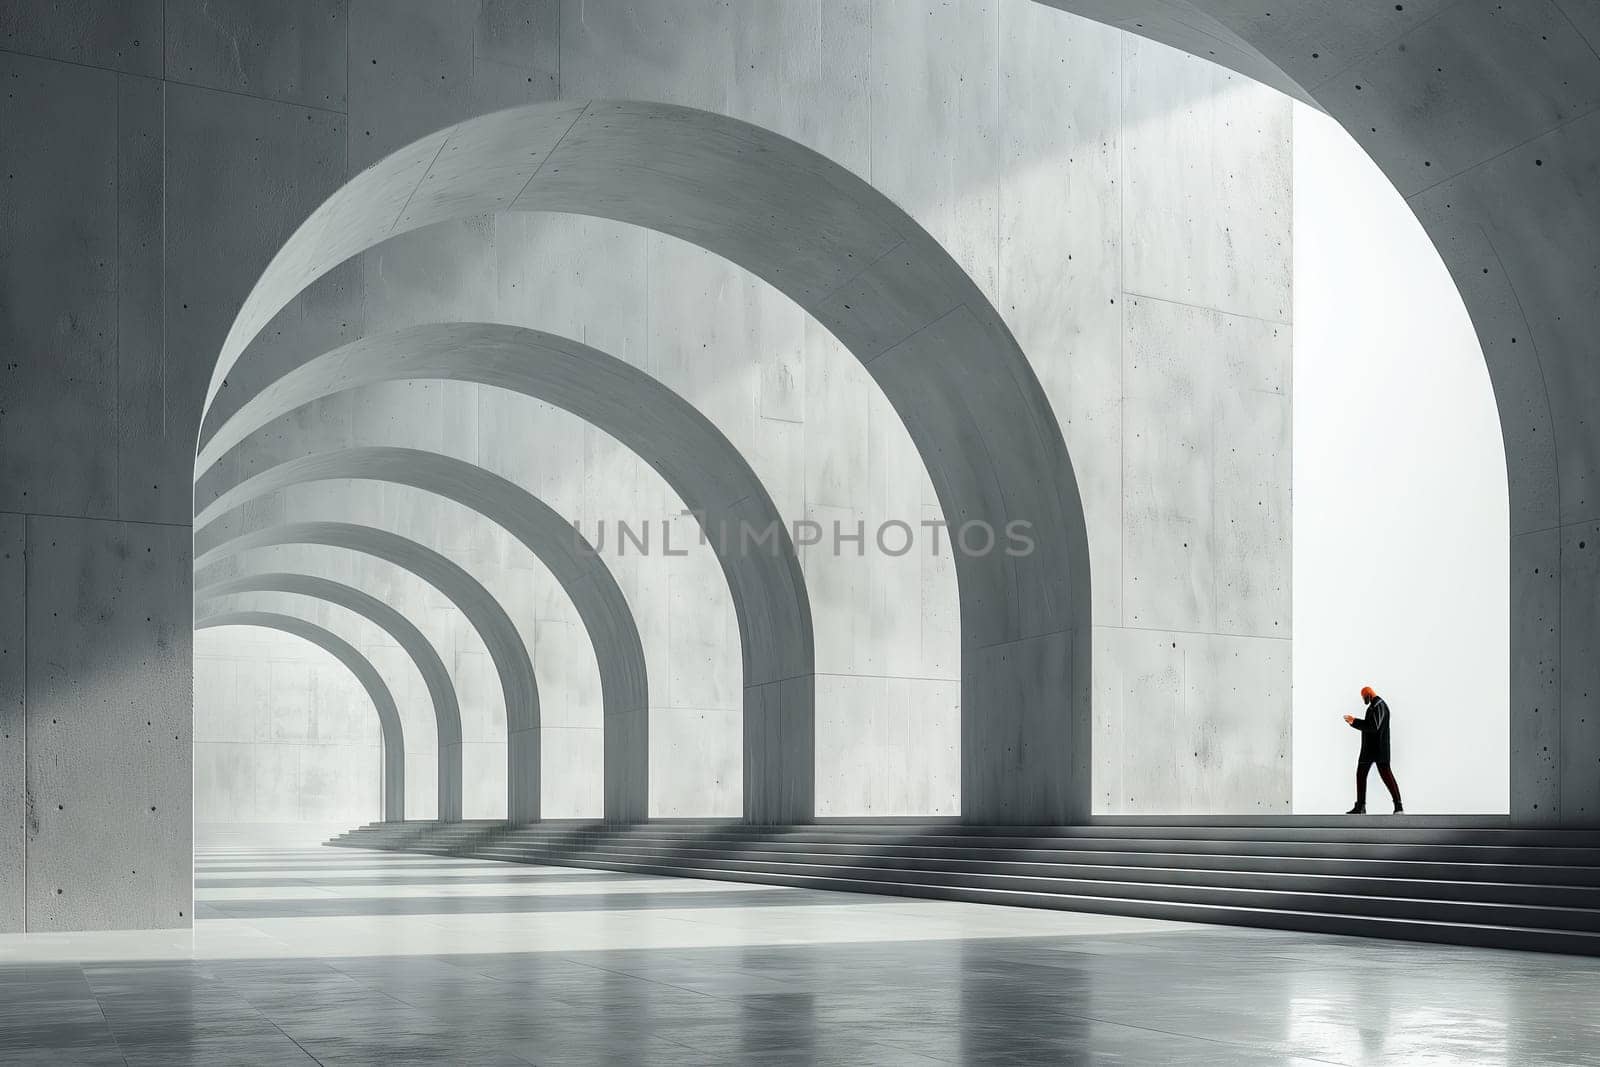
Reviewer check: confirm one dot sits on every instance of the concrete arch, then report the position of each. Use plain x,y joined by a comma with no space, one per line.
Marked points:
394,746
511,661
1486,118
574,562
888,292
441,690
701,465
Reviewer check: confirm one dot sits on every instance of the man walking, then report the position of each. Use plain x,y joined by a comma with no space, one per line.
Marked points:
1374,749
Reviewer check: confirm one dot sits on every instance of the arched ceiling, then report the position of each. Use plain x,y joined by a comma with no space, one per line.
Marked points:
576,565
394,748
218,540
441,690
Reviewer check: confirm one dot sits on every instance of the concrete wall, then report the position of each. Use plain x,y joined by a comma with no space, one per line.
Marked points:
283,733
122,245
203,133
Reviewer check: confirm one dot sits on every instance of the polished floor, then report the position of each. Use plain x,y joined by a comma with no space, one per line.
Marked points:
332,956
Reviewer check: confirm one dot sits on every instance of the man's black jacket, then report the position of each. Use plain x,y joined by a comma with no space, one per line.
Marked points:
1375,732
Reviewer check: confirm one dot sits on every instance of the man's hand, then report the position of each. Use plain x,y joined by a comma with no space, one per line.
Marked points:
1351,719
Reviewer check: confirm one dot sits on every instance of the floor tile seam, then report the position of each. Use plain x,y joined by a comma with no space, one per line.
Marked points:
105,1020
288,1036
499,1045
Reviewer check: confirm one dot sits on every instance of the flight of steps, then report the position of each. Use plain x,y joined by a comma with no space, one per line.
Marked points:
1473,885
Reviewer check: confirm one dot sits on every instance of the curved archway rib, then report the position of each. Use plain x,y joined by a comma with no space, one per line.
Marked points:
574,562
394,748
441,690
511,661
882,285
701,465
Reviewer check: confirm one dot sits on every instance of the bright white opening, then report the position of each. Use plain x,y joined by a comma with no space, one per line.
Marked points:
1401,558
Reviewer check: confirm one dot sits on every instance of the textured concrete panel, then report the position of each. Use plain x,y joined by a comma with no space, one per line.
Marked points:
1543,252
1059,270
499,633
394,758
143,458
441,690
1536,677
109,705
875,754
58,270
290,50
579,569
1521,394
693,780
1457,65
805,76
13,722
418,65
120,35
241,174
1230,145
1191,722
1580,674
1206,471
570,791
938,153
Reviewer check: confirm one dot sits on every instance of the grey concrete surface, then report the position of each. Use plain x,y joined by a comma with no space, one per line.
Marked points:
286,736
13,723
441,689
295,51
880,284
394,748
466,658
299,704
1485,117
383,958
113,34
97,403
108,675
217,540
58,201
712,478
575,563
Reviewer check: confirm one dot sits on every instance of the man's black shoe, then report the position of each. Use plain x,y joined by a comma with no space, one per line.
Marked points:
1359,809
1399,809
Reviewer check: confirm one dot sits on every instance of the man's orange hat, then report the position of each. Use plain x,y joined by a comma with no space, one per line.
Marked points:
1367,692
